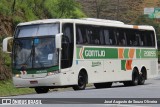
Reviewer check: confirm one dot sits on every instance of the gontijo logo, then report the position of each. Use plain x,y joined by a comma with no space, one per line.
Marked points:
94,53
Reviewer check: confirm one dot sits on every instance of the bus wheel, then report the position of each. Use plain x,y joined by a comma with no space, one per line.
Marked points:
103,85
142,77
135,77
82,81
40,90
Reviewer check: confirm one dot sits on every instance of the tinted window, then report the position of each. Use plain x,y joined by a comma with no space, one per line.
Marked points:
96,35
67,45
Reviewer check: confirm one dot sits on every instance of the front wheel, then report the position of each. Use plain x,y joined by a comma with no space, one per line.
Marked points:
82,81
40,90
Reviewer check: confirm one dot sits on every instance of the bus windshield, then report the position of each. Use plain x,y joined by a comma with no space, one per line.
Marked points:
35,53
34,47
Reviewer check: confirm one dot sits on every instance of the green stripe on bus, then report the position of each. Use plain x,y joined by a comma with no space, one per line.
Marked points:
126,51
78,51
138,53
123,64
112,53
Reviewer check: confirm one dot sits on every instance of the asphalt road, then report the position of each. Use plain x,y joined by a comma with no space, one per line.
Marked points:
151,89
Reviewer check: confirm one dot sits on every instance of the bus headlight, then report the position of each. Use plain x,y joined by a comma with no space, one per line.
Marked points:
17,75
53,73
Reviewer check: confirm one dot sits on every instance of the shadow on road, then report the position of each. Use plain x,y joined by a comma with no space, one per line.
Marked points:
118,86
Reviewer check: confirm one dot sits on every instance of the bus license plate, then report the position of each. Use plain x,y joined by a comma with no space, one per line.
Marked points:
33,82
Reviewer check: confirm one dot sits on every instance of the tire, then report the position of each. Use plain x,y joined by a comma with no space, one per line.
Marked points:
135,79
141,80
40,90
82,81
103,85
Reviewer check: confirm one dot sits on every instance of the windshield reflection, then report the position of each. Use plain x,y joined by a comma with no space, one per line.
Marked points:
23,53
35,53
45,52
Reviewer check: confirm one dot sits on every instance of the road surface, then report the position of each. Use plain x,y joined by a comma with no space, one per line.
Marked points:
151,89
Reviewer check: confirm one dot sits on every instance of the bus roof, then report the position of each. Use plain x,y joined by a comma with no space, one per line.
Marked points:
90,21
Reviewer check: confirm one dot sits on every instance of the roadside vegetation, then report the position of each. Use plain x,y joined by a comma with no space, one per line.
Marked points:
7,89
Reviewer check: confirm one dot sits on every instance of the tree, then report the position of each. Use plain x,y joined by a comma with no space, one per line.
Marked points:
64,9
13,6
100,4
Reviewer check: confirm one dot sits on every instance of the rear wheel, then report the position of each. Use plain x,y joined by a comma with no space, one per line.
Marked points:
141,80
135,79
40,90
82,81
103,85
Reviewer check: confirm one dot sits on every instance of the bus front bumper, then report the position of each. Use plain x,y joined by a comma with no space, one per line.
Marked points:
53,80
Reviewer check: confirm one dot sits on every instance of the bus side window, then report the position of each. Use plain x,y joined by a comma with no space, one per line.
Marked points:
112,36
138,40
152,39
84,34
130,37
101,33
121,37
79,38
107,39
147,38
125,39
87,33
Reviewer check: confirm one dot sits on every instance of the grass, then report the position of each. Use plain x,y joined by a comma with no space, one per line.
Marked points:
7,89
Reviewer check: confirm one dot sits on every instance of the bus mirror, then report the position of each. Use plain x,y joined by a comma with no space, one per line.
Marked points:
58,40
5,44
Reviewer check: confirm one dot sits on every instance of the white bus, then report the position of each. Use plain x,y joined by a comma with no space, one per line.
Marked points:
74,52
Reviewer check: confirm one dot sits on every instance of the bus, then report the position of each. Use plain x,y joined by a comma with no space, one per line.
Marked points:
53,53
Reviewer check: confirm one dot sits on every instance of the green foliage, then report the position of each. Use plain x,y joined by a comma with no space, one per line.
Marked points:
4,7
7,59
17,20
28,10
7,89
64,9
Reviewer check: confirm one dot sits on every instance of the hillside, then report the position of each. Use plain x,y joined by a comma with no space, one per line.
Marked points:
126,10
